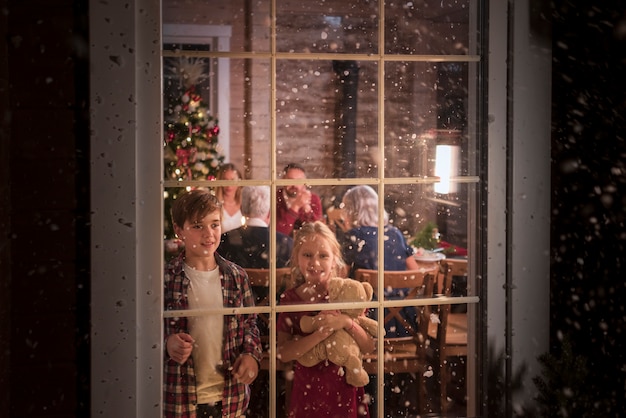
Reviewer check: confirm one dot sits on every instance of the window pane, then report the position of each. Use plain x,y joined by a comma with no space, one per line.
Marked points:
250,138
329,109
247,21
330,27
427,28
427,105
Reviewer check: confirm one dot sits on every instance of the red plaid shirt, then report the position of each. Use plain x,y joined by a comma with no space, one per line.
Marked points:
241,335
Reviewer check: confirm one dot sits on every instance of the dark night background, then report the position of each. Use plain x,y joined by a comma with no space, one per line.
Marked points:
44,287
588,234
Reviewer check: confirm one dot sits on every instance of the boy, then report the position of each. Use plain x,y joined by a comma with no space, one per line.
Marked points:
209,360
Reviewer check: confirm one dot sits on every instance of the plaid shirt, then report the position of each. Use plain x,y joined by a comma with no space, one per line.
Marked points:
241,335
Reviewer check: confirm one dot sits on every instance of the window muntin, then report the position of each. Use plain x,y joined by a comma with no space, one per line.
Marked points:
420,101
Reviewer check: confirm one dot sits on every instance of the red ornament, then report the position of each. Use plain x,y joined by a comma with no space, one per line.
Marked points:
182,155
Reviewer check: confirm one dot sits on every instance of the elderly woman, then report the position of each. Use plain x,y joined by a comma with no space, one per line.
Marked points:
360,245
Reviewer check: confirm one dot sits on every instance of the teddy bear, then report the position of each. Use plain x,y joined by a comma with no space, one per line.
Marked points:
340,348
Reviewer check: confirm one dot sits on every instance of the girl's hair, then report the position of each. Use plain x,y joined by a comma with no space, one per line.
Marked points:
194,205
219,191
360,204
308,231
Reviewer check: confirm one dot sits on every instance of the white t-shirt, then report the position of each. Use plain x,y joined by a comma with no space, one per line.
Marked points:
205,291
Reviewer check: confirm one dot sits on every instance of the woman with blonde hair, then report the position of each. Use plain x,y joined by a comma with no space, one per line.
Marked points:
229,197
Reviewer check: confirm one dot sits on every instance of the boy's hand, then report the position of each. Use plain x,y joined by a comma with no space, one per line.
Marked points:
245,369
179,347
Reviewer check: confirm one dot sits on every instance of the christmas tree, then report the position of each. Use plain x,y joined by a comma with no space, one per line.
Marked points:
191,133
191,150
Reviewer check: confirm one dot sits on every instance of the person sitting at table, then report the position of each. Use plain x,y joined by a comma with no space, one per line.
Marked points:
229,197
249,245
360,241
296,204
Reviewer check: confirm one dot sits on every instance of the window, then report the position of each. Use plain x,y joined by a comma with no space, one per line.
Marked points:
504,191
358,94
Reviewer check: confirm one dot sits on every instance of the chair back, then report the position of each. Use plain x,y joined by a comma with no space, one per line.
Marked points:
406,353
406,327
261,278
450,268
451,333
409,284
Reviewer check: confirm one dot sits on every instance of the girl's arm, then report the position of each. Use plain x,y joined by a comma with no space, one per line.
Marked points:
336,320
292,347
361,336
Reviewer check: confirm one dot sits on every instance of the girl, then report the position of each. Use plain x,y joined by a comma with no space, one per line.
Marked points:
320,390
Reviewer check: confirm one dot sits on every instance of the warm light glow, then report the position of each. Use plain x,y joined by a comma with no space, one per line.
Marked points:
446,166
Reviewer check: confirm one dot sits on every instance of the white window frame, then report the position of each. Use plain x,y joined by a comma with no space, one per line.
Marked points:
126,202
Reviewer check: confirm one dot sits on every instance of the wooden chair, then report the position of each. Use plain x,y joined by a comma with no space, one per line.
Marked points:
404,354
450,333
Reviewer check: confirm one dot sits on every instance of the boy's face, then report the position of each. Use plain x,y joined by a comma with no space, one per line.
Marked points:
202,236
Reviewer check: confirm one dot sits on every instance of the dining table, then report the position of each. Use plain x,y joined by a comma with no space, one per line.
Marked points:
431,259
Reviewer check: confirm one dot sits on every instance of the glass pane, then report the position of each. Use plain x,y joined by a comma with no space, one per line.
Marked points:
427,27
201,133
249,104
429,220
329,27
426,105
327,108
245,22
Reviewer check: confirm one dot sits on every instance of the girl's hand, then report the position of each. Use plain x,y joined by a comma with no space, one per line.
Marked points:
332,320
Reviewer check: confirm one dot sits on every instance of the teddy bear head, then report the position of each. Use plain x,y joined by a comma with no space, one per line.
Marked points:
349,290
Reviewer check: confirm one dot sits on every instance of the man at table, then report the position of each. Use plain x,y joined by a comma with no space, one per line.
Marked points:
249,244
296,204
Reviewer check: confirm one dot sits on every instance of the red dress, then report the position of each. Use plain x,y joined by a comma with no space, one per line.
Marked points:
321,390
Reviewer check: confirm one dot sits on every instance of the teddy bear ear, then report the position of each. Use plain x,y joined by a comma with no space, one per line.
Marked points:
369,290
